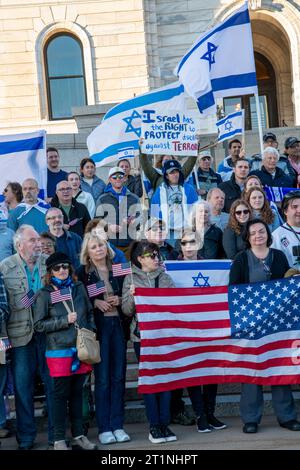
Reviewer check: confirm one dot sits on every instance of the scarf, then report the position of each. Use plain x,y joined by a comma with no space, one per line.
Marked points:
62,284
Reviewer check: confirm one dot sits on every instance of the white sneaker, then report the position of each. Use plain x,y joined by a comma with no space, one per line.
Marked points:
121,435
82,442
60,445
107,438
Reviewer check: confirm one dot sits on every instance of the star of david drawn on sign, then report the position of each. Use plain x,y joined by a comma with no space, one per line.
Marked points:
130,127
228,125
200,278
210,54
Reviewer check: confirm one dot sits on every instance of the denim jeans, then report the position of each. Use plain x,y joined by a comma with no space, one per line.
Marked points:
157,404
3,375
110,375
25,361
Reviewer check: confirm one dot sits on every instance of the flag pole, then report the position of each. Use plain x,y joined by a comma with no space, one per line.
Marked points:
259,121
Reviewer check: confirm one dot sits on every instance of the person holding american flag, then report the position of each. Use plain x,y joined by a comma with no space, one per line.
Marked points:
105,291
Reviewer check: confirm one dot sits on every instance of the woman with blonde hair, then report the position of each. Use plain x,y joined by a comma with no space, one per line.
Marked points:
240,213
105,292
208,234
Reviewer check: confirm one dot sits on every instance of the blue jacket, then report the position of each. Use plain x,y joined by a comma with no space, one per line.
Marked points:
96,189
280,179
69,244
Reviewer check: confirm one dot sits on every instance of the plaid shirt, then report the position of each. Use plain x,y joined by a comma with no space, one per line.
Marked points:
3,303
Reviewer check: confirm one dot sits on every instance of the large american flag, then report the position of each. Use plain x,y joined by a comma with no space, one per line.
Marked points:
243,333
60,295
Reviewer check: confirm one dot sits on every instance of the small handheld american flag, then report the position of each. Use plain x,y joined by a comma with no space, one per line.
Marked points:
5,343
96,289
60,295
121,269
28,299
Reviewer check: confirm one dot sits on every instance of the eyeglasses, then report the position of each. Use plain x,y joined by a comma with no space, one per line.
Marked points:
188,242
244,211
117,177
58,267
151,255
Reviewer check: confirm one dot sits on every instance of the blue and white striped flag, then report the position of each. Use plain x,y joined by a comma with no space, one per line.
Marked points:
207,70
23,156
199,273
231,125
120,128
276,194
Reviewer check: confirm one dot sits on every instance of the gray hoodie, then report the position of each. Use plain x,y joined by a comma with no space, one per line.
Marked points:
141,279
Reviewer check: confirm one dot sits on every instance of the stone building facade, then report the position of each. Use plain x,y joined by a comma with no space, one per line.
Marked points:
129,47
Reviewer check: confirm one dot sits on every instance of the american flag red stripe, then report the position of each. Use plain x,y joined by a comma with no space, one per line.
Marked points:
186,340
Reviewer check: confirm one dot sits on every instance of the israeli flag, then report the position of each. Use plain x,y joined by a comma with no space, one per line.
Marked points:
121,126
207,70
231,125
126,153
199,273
276,194
23,156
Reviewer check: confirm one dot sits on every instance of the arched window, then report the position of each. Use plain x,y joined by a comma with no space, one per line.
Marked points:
66,85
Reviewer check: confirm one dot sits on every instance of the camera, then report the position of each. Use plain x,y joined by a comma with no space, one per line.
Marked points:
296,252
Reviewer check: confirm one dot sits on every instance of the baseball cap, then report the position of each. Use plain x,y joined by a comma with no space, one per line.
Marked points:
269,135
205,153
114,170
290,141
171,165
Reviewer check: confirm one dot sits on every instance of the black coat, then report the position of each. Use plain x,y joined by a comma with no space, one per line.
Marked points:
52,319
280,179
213,247
232,243
78,216
232,192
116,283
239,271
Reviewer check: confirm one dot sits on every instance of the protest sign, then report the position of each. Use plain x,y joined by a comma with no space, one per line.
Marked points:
173,133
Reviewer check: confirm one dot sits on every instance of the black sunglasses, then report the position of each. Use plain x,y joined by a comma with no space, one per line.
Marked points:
58,267
151,255
244,211
186,242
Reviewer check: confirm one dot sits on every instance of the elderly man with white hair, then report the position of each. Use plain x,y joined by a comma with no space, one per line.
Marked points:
270,174
22,276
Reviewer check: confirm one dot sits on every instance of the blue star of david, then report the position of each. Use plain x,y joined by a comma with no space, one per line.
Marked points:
210,54
228,125
130,127
198,278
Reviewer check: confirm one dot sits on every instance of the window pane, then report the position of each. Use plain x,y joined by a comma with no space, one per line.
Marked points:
232,105
65,93
64,57
263,110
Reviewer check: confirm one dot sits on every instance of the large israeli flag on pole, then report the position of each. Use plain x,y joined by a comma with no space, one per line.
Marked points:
199,273
23,156
232,124
220,63
120,129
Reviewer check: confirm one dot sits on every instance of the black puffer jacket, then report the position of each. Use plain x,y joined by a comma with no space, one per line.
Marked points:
52,319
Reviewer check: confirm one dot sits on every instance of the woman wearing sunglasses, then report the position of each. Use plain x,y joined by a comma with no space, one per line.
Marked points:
147,272
96,266
56,316
203,399
261,209
240,213
260,263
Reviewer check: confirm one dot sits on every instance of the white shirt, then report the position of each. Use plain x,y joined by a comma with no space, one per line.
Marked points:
285,239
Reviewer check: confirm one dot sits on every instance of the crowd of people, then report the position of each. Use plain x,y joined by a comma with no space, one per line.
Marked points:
54,252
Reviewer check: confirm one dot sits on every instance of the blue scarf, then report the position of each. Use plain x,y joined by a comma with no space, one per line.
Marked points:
62,284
